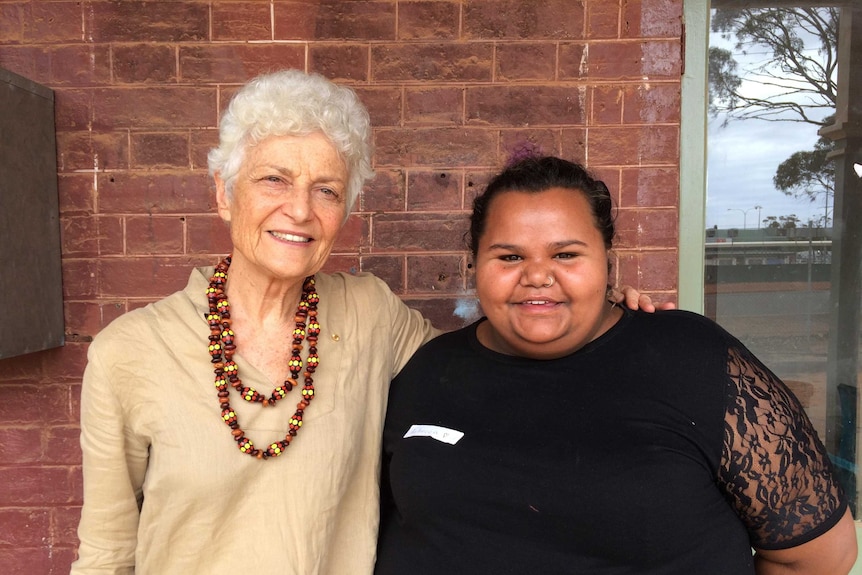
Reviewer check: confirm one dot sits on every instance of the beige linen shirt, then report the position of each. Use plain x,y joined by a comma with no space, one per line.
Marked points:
167,491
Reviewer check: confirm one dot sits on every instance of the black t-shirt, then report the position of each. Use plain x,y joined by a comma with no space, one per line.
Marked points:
662,447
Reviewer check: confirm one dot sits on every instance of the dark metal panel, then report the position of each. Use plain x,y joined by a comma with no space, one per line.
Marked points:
31,294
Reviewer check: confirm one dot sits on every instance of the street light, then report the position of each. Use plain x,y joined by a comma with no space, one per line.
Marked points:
745,214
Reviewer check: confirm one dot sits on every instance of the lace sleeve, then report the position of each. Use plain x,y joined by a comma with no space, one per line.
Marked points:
774,469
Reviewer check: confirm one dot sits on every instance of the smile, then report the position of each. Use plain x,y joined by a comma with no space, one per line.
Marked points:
538,302
290,237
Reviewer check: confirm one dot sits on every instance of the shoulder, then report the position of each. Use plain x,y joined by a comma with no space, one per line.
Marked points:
364,305
445,352
134,324
183,310
675,318
361,296
445,346
678,325
457,339
353,286
677,342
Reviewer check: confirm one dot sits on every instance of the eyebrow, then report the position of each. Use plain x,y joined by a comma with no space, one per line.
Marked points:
553,245
325,179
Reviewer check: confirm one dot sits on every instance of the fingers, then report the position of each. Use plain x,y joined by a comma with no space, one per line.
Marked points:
635,300
643,302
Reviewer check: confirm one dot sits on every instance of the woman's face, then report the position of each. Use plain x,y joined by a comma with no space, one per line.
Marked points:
530,238
288,205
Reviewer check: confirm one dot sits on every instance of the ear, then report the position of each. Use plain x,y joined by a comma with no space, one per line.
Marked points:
222,200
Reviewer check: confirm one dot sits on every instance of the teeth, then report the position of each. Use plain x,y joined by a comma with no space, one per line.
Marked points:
290,237
536,302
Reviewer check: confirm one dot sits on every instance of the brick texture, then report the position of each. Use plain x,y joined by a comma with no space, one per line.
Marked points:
453,87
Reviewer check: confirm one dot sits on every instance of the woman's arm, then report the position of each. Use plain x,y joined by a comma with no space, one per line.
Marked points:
114,466
778,477
833,553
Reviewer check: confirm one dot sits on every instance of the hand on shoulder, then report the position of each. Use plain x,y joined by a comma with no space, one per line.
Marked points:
633,299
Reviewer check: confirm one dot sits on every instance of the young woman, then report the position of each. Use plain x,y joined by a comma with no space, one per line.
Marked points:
563,434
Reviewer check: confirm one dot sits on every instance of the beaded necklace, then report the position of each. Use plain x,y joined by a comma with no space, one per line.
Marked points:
222,348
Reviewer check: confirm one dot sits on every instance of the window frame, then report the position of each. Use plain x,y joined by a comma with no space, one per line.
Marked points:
692,156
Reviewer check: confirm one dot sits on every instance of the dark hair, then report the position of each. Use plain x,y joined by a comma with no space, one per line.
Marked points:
538,174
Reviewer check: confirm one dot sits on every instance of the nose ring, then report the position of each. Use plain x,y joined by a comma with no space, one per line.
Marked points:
550,282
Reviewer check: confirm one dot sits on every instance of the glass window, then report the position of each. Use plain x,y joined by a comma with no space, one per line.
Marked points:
783,235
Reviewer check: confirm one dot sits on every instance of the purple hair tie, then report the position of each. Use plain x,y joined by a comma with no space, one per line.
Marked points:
522,151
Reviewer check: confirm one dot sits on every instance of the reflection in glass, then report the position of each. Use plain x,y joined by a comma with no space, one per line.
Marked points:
782,242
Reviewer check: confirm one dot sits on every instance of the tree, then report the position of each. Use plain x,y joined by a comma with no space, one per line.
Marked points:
794,80
792,83
780,222
809,174
771,222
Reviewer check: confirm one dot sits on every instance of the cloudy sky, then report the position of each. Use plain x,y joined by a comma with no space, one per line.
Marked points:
742,158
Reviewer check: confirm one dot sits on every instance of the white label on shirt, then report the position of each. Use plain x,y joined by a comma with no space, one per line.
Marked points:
443,434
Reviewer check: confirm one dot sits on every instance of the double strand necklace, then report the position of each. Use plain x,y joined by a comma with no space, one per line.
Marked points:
222,347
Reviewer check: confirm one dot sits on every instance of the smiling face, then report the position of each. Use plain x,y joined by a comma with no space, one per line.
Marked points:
529,238
287,206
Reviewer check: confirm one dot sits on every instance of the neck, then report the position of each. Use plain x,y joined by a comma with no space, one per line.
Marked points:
259,299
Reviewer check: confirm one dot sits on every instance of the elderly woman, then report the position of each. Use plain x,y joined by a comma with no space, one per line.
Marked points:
562,434
188,403
234,426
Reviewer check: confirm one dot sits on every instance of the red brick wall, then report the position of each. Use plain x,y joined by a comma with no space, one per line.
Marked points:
452,87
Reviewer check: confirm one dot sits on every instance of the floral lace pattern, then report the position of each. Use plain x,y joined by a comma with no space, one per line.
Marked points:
775,470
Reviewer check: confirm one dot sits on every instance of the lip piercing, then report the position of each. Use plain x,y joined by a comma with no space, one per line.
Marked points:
550,282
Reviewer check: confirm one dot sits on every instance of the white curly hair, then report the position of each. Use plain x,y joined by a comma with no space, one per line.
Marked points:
292,102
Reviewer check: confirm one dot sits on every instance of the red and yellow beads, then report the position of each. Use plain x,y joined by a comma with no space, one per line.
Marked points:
221,348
